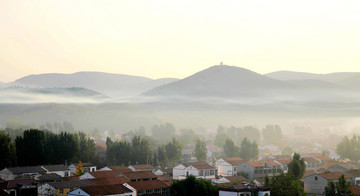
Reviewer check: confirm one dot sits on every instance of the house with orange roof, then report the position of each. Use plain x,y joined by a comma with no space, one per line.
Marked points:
228,166
355,176
150,187
316,183
259,169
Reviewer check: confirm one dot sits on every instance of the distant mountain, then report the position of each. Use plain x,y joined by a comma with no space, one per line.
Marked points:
45,95
291,75
221,81
351,82
314,84
114,85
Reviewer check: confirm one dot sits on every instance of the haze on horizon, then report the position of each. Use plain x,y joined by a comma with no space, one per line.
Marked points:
176,39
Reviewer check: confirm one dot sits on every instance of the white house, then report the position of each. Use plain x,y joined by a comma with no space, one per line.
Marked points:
199,170
46,189
228,166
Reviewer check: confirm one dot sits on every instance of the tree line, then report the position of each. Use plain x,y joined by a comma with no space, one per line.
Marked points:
36,147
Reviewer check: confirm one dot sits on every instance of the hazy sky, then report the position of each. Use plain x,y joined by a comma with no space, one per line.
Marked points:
177,38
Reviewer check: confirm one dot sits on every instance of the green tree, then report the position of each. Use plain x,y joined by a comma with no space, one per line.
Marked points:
200,151
349,148
248,151
187,136
330,189
285,184
164,132
193,187
173,151
30,148
230,150
297,166
343,187
7,151
140,150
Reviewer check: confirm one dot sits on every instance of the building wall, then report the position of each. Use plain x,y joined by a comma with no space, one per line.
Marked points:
227,193
315,186
65,191
191,171
179,170
224,168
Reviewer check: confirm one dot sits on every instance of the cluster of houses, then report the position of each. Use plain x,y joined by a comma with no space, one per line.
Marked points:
235,175
58,180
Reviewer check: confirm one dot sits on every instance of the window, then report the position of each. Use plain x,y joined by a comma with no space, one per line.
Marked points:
66,174
212,172
316,178
61,191
234,169
201,172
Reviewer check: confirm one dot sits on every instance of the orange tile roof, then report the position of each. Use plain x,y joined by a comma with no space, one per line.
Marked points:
120,168
106,189
109,181
104,174
199,166
355,190
149,184
145,166
311,160
308,173
234,160
262,163
139,175
332,175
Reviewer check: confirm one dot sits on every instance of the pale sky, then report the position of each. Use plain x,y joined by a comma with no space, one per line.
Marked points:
156,39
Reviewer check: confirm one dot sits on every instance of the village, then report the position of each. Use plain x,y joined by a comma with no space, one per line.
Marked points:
231,175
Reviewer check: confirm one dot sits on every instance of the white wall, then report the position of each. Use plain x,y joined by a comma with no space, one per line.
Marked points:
46,190
227,193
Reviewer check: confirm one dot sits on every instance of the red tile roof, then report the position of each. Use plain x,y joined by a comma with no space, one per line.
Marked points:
311,160
149,184
238,179
109,181
145,166
355,173
106,189
355,190
332,175
234,160
139,175
199,166
104,174
120,168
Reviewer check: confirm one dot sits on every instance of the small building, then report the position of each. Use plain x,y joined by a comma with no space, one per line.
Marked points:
230,180
199,170
12,173
312,163
118,190
227,166
259,169
144,167
244,190
316,183
60,170
88,167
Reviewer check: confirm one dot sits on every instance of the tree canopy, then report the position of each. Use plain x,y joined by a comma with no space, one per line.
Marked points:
193,187
200,151
297,166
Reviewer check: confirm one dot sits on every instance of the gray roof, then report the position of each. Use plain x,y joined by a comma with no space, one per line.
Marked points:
28,169
47,177
59,167
71,184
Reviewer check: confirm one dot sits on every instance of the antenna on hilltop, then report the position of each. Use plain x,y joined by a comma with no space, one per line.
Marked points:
221,63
